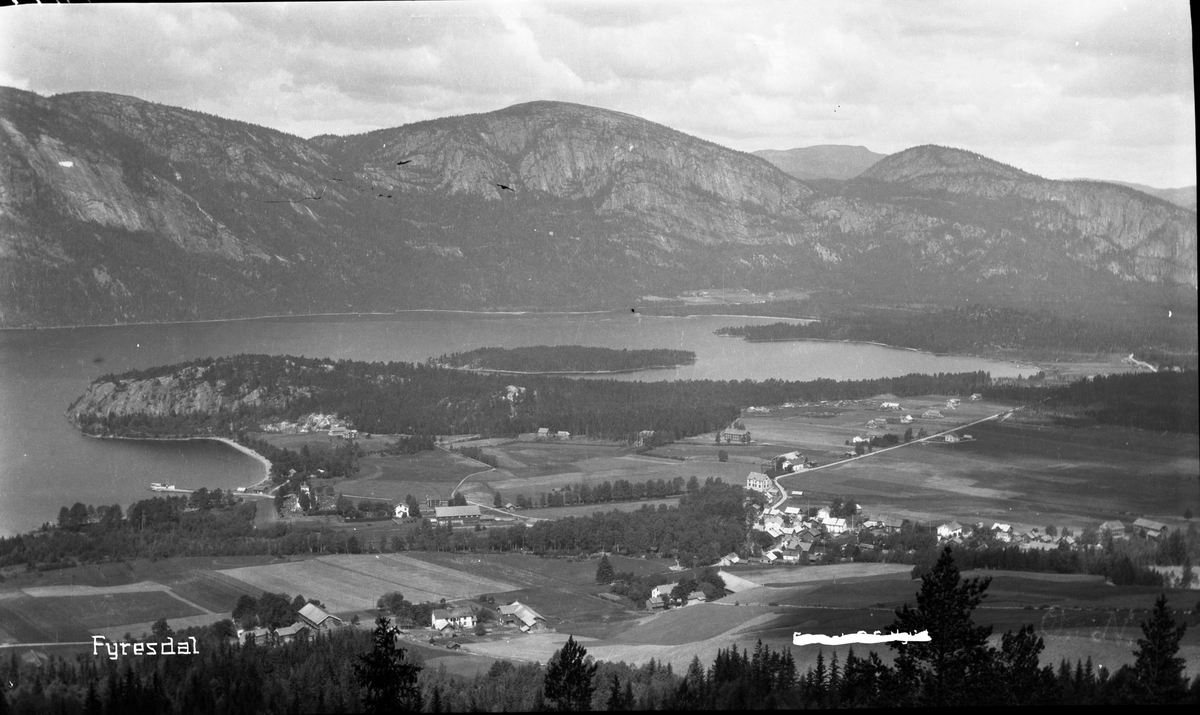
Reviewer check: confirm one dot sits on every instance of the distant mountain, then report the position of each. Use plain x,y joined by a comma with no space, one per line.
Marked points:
113,209
1184,196
824,161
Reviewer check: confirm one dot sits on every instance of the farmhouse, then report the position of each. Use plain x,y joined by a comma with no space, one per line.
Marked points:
517,611
791,556
315,617
757,481
563,434
543,432
729,559
953,528
456,514
931,415
1153,528
288,634
733,435
695,597
952,438
452,617
906,420
976,397
1116,528
889,405
400,511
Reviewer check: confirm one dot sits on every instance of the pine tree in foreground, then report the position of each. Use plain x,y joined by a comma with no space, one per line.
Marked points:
387,677
1158,670
568,682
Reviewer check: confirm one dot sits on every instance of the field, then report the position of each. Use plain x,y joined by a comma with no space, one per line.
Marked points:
424,474
74,618
1026,475
347,583
562,512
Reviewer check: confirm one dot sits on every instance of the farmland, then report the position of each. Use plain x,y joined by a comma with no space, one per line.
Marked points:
354,582
433,474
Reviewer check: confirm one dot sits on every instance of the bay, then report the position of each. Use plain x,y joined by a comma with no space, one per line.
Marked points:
46,464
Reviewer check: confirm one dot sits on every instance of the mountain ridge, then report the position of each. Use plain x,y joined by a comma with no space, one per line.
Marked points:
114,209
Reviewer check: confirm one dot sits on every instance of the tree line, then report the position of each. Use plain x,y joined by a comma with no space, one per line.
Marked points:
977,327
565,358
1162,401
352,670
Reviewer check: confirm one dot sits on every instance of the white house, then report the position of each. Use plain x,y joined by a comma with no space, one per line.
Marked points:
401,511
455,617
931,415
758,482
953,528
906,420
889,405
834,525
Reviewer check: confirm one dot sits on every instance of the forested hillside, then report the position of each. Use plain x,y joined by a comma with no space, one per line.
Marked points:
565,358
229,395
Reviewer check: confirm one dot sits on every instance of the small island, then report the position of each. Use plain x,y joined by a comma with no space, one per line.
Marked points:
565,359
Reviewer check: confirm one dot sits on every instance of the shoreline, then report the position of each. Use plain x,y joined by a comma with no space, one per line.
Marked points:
224,440
1029,366
494,371
359,314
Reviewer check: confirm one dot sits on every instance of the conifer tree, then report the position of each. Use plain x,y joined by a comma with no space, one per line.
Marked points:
955,666
386,675
1158,670
604,571
568,681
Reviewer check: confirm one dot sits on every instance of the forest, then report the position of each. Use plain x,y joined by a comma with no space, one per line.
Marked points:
407,399
979,328
357,670
1163,401
565,359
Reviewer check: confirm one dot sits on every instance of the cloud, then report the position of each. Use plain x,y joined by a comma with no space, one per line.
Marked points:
1030,80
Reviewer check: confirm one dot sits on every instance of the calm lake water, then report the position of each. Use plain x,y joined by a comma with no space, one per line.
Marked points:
46,464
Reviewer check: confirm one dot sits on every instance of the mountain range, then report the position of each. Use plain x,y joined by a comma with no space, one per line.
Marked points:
114,209
824,161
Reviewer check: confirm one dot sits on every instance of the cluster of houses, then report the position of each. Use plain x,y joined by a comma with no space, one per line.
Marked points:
312,618
1037,539
657,594
800,538
313,423
458,617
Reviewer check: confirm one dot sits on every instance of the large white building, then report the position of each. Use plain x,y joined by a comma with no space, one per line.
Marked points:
758,481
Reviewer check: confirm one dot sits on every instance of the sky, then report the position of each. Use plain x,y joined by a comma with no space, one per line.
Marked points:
1067,89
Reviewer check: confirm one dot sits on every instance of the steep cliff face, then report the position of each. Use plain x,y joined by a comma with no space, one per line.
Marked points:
113,209
1124,232
620,165
184,393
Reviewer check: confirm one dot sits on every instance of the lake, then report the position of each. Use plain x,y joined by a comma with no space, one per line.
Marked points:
46,464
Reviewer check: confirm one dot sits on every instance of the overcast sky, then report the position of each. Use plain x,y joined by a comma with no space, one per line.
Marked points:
1064,89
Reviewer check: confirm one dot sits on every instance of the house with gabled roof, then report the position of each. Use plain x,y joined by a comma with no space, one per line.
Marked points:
456,617
1116,528
316,617
757,481
950,529
518,611
1153,528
